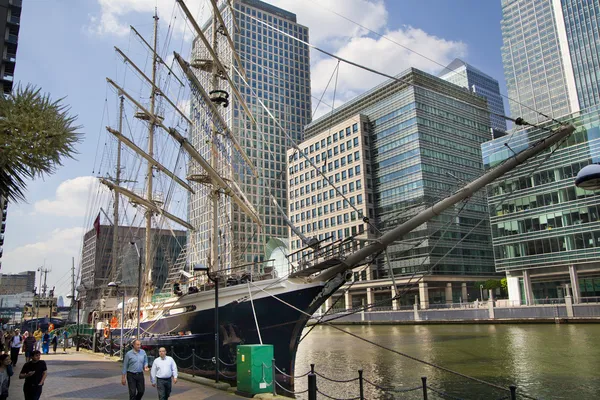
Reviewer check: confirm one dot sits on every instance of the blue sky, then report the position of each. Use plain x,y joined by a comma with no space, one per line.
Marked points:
66,48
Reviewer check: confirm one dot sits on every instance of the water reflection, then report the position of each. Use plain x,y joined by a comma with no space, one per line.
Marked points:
544,361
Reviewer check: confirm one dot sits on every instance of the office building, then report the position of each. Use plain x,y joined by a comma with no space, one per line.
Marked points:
96,261
278,73
551,56
10,20
465,75
416,145
546,231
17,283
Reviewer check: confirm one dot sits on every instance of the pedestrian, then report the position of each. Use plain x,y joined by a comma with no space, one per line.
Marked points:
15,347
46,343
38,338
6,372
164,371
29,345
134,365
65,340
34,372
54,342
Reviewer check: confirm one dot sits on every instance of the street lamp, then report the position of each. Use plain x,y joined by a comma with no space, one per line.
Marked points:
139,296
215,280
116,286
77,335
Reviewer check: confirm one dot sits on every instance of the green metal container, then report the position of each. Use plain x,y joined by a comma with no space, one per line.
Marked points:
254,368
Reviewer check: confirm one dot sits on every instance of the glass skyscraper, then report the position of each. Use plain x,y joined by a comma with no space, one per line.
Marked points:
465,75
278,73
550,55
546,231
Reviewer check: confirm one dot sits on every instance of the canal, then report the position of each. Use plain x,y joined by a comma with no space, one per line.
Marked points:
546,361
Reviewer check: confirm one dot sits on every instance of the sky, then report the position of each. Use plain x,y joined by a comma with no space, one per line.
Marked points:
66,48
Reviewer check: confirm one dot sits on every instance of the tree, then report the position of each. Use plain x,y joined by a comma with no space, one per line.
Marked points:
36,135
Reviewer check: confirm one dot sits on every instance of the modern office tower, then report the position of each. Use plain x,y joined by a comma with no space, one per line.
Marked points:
278,73
417,144
10,19
546,231
17,283
97,251
465,75
551,56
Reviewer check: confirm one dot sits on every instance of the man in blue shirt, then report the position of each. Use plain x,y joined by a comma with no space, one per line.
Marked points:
163,371
134,365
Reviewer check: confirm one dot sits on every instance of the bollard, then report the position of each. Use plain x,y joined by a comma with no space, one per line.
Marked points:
424,380
360,385
513,392
274,378
312,385
193,362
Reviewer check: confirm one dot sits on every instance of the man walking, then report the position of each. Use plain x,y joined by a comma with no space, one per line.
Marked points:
15,348
34,372
163,371
134,365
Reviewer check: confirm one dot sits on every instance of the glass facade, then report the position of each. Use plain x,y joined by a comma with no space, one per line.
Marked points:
467,76
581,20
423,142
278,73
540,221
537,78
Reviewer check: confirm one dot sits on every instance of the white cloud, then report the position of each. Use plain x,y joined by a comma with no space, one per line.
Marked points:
54,250
72,196
113,13
382,55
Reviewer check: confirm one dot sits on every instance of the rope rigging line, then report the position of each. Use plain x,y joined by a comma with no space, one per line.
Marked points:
445,67
471,378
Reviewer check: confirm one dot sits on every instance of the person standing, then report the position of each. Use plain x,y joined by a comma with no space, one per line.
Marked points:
54,342
6,372
38,338
65,340
134,365
46,343
34,372
15,348
29,346
164,370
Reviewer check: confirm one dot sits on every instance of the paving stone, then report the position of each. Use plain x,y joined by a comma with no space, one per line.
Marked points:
87,376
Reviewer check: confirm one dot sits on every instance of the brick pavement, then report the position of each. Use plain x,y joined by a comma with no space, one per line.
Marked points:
86,376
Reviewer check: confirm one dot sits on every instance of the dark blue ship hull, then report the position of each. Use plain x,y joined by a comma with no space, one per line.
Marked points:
280,325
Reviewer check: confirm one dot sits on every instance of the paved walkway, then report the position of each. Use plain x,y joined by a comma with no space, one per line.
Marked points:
86,376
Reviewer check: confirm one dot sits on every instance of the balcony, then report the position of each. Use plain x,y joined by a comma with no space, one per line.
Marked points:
9,58
16,3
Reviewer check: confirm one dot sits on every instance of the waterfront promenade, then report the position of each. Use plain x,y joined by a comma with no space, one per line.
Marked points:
86,376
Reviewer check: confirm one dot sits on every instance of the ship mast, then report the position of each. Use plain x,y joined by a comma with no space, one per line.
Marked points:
117,181
214,85
153,93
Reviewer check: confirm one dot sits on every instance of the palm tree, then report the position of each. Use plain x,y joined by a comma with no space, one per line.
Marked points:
36,135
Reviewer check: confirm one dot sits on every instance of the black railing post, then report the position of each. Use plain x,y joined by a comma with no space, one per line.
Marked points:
274,378
194,362
513,392
360,384
424,380
110,343
312,384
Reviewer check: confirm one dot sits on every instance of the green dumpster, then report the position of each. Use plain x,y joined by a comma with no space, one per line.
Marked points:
254,369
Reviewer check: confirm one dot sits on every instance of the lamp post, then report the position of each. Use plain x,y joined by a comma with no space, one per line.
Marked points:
77,333
139,296
116,286
215,280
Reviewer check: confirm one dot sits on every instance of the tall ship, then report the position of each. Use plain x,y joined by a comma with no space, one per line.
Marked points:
169,168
